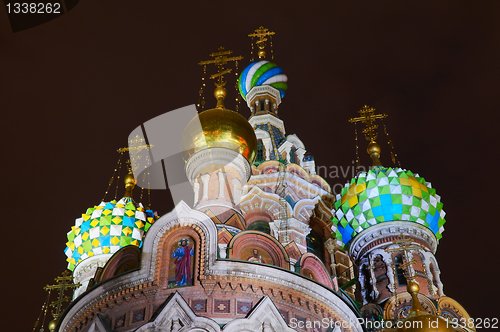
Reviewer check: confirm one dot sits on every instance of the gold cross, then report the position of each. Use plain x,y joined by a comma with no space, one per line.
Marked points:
261,33
368,117
220,59
64,282
406,245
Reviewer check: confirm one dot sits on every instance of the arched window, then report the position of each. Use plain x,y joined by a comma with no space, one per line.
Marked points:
315,244
260,151
292,156
433,272
261,226
400,273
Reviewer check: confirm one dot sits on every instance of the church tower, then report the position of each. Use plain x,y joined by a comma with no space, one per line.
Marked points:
390,221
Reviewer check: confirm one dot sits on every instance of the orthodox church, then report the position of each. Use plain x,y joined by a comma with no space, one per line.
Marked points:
264,244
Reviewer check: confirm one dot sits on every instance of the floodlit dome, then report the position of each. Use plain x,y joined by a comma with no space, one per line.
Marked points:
221,128
106,228
385,194
262,73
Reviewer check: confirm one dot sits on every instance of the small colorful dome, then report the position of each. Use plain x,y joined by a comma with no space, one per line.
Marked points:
386,194
262,73
106,228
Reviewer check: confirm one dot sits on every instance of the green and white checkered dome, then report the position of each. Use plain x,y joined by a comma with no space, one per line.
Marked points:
106,228
385,194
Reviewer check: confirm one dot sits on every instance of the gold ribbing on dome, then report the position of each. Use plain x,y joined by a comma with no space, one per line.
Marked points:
368,117
261,33
220,59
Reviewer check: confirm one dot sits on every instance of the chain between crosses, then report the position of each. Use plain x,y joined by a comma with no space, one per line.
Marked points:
64,282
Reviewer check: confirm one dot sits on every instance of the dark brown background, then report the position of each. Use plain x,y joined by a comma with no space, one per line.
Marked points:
74,88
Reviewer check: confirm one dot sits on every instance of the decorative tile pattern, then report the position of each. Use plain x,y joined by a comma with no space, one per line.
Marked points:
262,73
243,307
106,228
199,305
120,322
386,194
221,306
139,315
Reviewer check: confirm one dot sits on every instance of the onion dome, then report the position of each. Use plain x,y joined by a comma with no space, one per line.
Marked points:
106,228
385,194
220,127
262,73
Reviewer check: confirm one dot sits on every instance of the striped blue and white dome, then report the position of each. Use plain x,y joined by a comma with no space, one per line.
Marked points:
262,73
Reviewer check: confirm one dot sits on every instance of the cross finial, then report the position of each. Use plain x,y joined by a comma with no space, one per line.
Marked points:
368,117
63,282
261,33
220,59
406,245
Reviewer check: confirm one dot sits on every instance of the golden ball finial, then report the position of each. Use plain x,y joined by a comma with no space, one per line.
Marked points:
220,92
412,287
374,148
52,325
261,53
129,184
374,152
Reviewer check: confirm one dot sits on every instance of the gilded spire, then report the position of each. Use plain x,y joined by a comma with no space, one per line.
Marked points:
220,59
261,33
368,117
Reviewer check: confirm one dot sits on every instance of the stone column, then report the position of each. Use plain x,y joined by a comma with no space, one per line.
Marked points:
196,188
222,177
205,178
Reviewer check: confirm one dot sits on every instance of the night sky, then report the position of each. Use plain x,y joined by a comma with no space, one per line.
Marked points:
74,88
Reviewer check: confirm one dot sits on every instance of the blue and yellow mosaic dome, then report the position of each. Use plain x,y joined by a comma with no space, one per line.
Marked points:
386,194
262,73
106,228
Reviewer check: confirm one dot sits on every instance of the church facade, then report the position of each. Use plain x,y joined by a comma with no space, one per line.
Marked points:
266,245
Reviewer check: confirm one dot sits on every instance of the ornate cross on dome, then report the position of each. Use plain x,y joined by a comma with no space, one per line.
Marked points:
64,282
220,59
406,245
368,117
261,33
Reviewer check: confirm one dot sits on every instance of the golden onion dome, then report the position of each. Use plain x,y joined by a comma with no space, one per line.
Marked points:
220,128
418,319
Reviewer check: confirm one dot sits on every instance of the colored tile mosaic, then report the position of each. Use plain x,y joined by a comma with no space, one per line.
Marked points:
120,322
199,305
243,307
386,194
221,306
106,228
139,315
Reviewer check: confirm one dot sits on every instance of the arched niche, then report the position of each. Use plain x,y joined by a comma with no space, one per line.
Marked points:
255,246
179,258
126,259
313,268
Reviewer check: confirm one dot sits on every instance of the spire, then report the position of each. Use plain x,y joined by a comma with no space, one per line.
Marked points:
262,33
220,59
368,117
